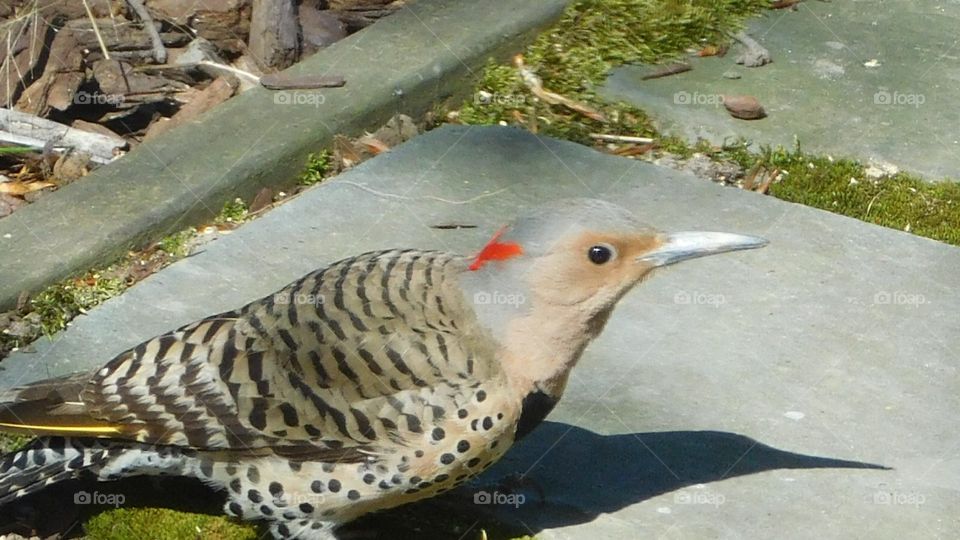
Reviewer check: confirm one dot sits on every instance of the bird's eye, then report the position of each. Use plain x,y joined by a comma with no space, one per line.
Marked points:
600,254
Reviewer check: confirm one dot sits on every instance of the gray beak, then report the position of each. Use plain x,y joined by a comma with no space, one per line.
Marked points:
676,247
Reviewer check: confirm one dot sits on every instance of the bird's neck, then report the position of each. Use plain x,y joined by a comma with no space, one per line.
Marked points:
540,349
539,341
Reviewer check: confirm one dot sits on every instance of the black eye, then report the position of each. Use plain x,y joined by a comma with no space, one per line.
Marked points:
600,254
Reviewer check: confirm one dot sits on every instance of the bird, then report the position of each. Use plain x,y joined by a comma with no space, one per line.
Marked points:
378,380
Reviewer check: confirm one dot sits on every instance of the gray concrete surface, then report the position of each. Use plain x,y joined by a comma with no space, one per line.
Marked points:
725,394
872,79
407,63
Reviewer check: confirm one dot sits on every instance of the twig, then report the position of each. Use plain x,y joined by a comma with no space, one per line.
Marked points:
159,52
96,30
669,69
535,84
870,204
230,69
427,197
620,138
765,185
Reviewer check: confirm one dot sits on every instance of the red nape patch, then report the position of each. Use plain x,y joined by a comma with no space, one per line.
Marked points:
496,251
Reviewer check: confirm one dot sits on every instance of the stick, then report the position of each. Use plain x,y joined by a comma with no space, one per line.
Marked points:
427,197
621,138
96,30
159,52
29,130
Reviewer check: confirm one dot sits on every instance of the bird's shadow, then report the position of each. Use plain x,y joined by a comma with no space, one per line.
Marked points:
570,475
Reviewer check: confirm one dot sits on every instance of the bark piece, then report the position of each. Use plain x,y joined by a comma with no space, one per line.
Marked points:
21,128
274,34
216,93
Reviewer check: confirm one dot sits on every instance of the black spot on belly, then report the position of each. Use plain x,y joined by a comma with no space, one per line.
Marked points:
276,489
536,406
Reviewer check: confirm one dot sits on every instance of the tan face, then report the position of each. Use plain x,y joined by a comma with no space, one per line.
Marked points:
593,269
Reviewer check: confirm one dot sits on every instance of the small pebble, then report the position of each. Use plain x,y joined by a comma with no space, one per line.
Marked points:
732,74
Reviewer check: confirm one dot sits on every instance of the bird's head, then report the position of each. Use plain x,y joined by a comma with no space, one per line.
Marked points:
554,275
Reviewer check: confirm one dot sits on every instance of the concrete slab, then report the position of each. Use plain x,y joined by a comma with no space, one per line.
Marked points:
407,63
872,79
725,394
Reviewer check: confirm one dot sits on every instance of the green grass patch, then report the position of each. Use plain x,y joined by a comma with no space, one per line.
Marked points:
592,37
903,201
317,167
163,524
10,442
235,211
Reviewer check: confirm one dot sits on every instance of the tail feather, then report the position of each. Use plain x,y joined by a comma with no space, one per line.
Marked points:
48,460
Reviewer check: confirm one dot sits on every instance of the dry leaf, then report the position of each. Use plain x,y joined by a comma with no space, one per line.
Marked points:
344,152
22,188
373,145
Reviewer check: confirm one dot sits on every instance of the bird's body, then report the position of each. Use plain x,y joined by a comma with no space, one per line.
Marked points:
379,380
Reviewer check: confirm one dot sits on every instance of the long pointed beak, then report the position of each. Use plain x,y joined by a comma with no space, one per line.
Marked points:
681,246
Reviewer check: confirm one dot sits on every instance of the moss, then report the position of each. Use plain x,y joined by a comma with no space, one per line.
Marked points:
317,167
903,201
234,211
574,56
59,304
178,243
163,524
10,442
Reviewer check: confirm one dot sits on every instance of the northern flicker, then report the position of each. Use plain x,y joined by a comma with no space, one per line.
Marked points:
379,380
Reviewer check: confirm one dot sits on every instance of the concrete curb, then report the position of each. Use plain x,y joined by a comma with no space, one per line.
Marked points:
406,63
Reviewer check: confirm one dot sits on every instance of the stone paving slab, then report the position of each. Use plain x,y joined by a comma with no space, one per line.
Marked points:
901,110
771,378
407,63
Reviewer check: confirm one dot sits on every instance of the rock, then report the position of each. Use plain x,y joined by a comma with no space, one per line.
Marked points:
319,29
731,74
744,107
754,55
724,172
879,169
398,129
9,204
198,50
71,166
